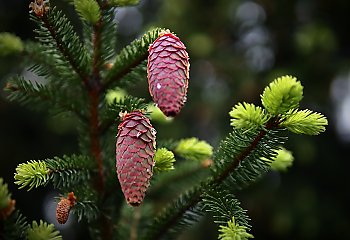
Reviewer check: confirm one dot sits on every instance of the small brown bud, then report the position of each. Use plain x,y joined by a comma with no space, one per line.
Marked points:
39,7
5,212
109,66
63,208
207,163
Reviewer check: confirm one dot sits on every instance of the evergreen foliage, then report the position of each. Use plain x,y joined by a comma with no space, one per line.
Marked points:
282,161
88,10
10,44
81,74
281,95
233,231
193,149
43,231
304,122
164,160
224,206
248,116
14,227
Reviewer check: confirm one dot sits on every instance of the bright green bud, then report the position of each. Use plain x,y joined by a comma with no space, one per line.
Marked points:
194,149
5,196
282,95
157,115
43,231
88,10
164,160
304,122
10,44
233,231
32,174
248,116
282,161
123,3
115,95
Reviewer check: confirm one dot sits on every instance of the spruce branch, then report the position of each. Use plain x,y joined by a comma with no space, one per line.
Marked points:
123,3
248,116
14,227
88,10
231,155
185,176
43,231
69,171
130,57
190,200
32,174
304,122
10,44
126,104
64,172
282,161
169,220
193,149
7,205
164,160
86,209
56,32
282,94
234,231
224,205
37,95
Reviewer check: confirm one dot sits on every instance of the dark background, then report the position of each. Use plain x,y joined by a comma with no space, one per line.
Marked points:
236,48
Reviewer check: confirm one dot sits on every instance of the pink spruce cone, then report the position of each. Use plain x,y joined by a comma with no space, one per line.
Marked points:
134,154
168,73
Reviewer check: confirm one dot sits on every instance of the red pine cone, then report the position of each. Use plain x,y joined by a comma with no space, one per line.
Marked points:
168,73
134,154
63,208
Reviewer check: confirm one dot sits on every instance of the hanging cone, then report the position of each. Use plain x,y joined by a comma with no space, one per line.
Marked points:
134,156
168,73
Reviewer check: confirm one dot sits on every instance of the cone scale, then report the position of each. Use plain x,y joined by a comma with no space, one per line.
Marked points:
135,150
168,73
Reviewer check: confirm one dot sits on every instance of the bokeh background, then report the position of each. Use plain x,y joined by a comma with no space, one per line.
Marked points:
236,48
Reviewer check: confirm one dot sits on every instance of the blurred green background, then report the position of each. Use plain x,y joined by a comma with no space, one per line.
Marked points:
236,48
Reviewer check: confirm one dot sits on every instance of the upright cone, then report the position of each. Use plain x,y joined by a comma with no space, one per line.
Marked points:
168,73
134,156
63,208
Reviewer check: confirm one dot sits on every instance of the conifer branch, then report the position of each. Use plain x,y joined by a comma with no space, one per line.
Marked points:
63,172
36,95
130,57
170,217
271,124
58,27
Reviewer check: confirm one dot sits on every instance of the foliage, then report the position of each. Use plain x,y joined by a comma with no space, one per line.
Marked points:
5,196
43,231
304,122
88,10
282,95
10,44
248,116
164,160
87,77
193,149
283,160
234,231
